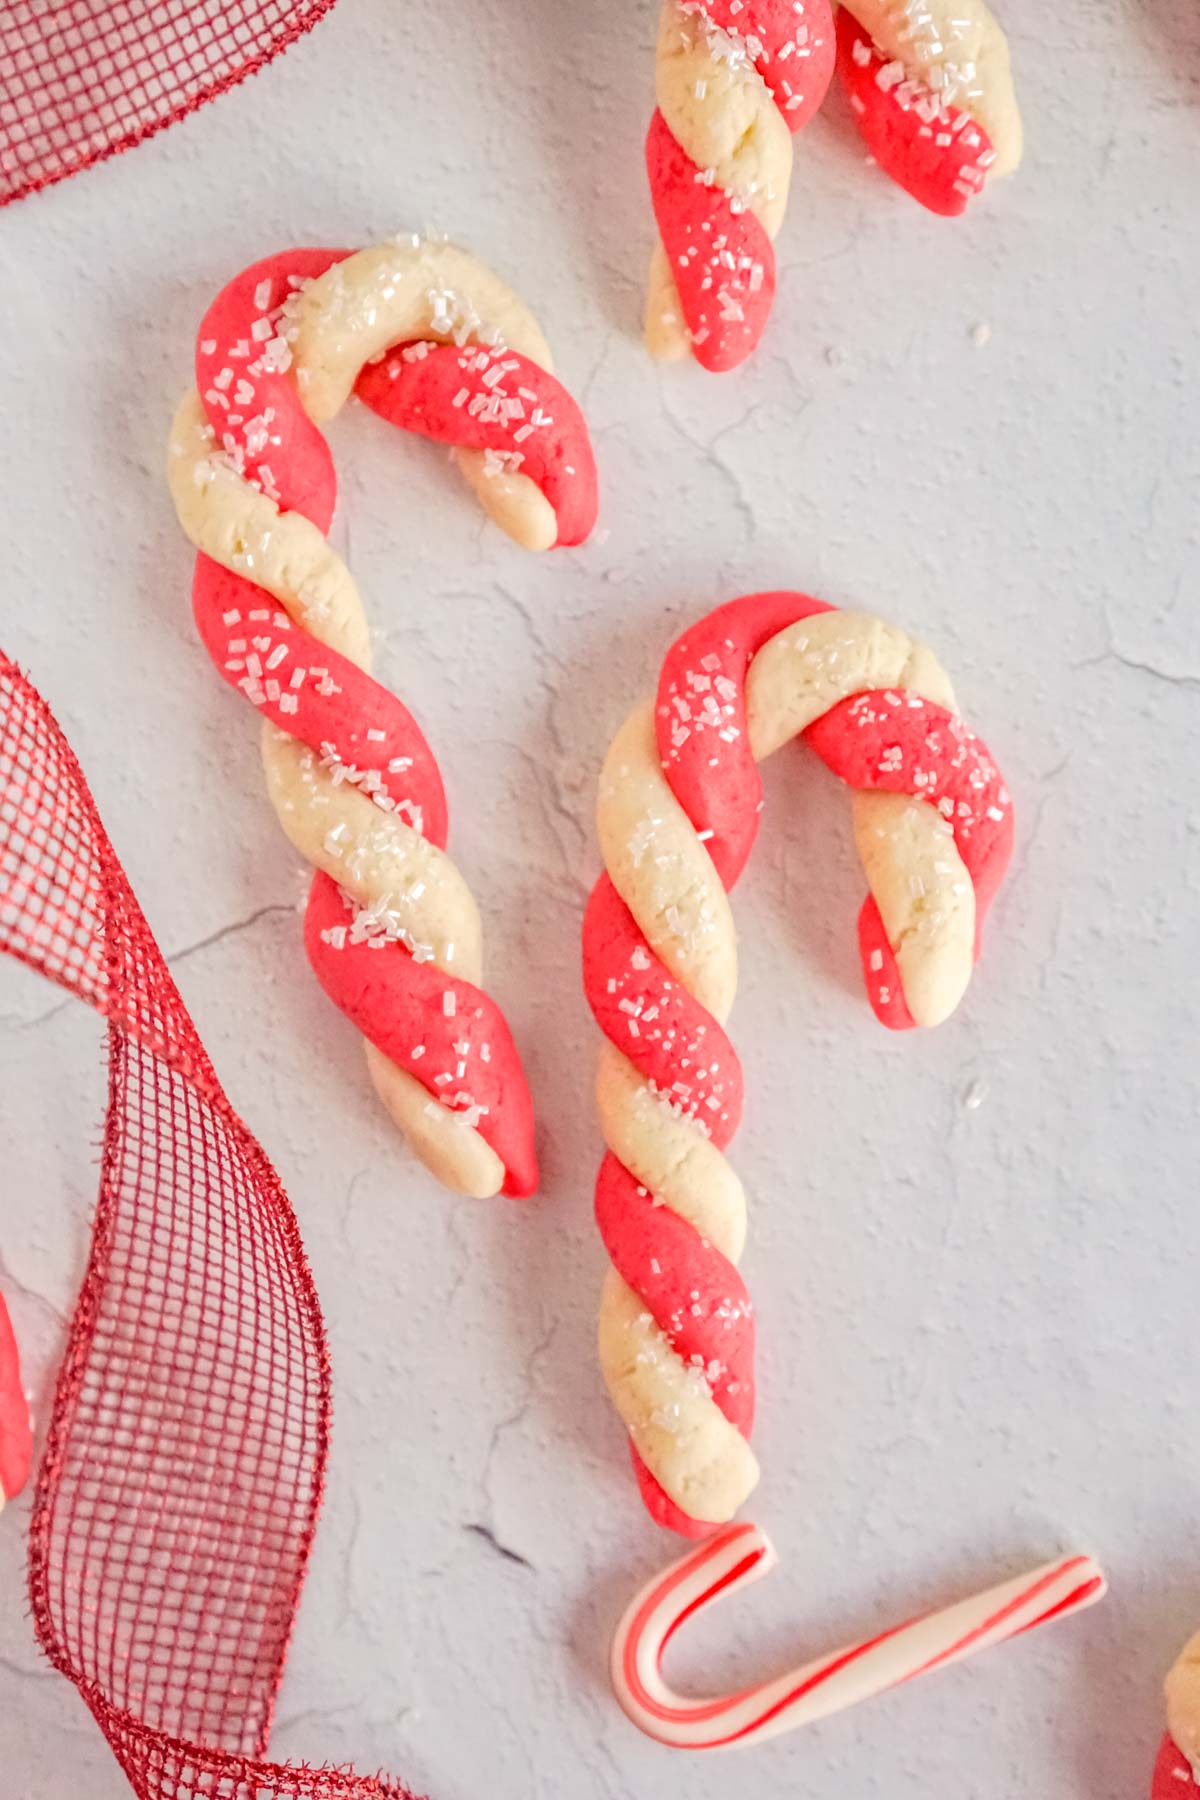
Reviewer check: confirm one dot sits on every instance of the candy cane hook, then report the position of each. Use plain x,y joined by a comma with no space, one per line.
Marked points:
742,1554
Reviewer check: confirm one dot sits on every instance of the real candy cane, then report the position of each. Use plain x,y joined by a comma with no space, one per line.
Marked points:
742,1554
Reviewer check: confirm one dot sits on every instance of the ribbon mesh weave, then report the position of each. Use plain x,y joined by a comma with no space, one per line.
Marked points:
178,1494
82,79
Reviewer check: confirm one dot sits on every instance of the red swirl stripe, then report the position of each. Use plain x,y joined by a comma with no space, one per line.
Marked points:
16,1437
941,156
879,741
445,1032
721,258
720,255
479,398
318,696
1173,1778
789,44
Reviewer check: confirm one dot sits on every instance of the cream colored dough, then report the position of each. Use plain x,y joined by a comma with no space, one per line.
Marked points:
723,114
1183,1703
402,291
957,50
410,890
664,873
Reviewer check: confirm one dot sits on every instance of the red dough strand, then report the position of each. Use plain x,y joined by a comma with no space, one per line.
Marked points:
940,155
720,255
450,1035
319,696
701,692
721,258
446,1033
791,46
878,741
16,1436
501,403
1173,1778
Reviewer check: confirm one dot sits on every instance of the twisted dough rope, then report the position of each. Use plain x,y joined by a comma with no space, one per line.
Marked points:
1177,1771
930,84
734,80
678,808
436,343
16,1437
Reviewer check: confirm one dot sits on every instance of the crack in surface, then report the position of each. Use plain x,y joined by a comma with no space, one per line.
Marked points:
23,1288
347,1208
489,1537
170,957
1030,837
464,1249
317,1714
509,1423
1184,679
24,1672
1112,652
347,1606
712,460
224,931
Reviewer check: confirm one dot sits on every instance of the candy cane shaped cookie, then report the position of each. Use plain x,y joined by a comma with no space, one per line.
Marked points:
434,342
1177,1771
734,80
16,1438
930,84
742,1554
677,814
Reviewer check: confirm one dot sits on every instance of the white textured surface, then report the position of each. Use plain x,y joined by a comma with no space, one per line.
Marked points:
977,1324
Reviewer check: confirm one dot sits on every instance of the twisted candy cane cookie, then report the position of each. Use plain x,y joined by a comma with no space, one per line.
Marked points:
930,84
436,343
678,808
735,79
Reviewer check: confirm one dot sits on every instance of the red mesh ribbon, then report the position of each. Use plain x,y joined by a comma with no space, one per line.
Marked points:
178,1494
82,79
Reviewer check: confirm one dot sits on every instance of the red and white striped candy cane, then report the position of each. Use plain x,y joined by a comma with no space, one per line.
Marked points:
434,342
1177,1770
930,85
742,1554
16,1436
678,811
734,79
